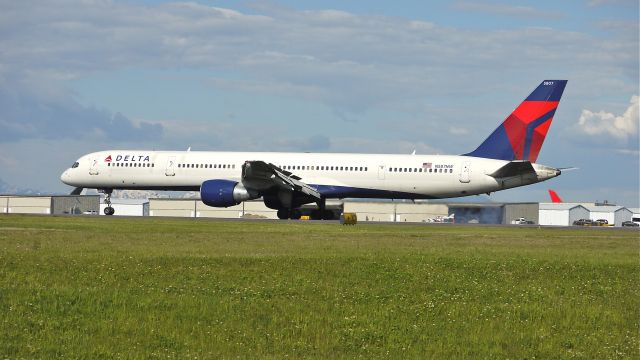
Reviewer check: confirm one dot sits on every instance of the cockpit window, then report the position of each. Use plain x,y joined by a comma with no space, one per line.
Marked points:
75,165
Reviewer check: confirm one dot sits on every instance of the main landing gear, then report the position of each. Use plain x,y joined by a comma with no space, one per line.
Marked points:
318,214
107,200
293,214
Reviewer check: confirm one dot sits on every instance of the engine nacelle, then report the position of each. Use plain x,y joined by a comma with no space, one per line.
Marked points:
225,193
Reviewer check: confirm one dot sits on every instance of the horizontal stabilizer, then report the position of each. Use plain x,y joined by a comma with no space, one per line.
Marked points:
514,168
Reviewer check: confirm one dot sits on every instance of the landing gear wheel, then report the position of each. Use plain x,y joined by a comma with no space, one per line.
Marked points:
107,200
283,214
328,215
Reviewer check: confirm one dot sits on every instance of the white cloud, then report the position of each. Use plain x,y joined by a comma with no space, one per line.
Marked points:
602,123
456,130
505,9
352,61
612,2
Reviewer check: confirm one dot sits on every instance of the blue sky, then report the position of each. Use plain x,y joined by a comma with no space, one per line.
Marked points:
330,76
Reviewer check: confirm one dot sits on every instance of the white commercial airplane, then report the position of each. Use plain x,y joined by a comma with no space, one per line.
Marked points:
285,181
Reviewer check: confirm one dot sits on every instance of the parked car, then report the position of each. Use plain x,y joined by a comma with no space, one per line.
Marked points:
583,222
630,224
601,222
522,221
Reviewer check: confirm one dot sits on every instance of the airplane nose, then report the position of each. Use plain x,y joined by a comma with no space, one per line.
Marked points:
65,176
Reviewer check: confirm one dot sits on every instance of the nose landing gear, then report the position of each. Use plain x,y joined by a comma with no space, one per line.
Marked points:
107,200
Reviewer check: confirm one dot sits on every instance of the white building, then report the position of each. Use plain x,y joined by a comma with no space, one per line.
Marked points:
395,211
196,208
17,204
561,214
613,214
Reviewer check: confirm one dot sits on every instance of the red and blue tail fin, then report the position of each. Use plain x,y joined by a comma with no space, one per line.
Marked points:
521,135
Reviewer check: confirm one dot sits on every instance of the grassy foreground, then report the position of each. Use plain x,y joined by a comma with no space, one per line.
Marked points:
97,287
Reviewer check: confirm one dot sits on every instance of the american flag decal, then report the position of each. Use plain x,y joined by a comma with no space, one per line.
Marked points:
426,165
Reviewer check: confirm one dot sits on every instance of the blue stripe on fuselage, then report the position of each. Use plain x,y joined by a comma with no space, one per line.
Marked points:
340,192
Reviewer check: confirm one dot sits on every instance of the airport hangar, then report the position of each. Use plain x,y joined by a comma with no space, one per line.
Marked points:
558,214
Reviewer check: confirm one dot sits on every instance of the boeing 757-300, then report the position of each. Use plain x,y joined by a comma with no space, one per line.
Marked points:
286,181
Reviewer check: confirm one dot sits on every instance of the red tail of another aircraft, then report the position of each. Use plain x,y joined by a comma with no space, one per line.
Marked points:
554,196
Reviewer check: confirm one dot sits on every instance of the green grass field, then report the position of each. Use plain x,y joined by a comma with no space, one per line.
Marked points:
97,287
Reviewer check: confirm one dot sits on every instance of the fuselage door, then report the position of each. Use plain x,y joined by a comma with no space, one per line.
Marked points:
170,169
93,168
465,172
381,172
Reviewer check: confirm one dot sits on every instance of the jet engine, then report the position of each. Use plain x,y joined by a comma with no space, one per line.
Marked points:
225,193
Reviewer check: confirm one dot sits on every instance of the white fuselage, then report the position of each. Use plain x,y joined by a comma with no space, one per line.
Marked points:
335,175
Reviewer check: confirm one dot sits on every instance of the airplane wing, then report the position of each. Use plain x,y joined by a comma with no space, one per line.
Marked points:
262,176
514,168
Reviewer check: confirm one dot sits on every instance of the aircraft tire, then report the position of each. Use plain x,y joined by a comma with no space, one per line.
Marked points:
328,215
283,214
